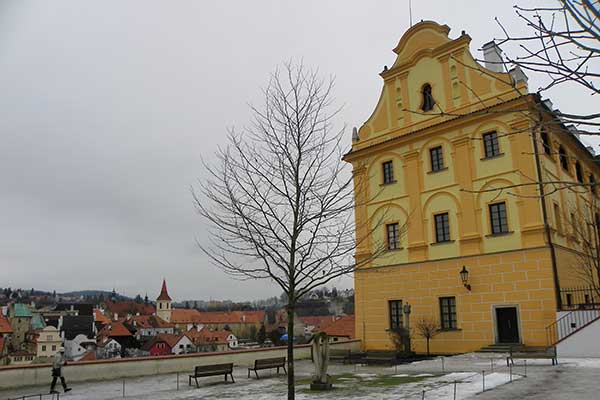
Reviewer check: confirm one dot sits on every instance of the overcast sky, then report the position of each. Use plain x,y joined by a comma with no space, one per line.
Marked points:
106,108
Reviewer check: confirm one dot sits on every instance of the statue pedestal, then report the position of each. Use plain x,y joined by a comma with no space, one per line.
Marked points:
321,386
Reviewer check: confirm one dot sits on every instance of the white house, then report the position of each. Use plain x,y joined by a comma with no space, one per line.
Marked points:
108,348
183,345
78,346
48,342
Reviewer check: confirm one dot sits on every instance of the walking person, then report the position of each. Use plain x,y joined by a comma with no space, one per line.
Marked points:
57,368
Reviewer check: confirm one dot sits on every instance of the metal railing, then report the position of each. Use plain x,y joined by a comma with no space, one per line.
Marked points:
570,323
580,298
41,396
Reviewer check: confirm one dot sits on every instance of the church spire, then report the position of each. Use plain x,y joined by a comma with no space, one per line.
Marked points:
164,295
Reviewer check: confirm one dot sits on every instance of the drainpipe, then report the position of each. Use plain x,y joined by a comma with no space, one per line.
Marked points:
545,213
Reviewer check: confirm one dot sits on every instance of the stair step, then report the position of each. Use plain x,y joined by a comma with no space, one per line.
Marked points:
500,348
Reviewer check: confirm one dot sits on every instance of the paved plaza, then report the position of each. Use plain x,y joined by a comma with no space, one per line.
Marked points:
437,378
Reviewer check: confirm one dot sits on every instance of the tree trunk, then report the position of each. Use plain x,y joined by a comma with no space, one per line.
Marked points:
290,351
427,347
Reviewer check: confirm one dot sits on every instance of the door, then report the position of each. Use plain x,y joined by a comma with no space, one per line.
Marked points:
508,328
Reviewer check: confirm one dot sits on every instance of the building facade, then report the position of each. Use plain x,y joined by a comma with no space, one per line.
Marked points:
428,165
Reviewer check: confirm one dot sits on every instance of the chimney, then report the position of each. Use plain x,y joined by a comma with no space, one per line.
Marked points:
355,137
492,55
518,76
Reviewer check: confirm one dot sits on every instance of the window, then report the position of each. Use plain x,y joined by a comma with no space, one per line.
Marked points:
442,228
393,239
43,348
491,145
557,219
569,299
498,219
428,101
53,347
160,305
578,172
49,338
448,312
395,314
564,162
437,158
546,142
587,299
388,172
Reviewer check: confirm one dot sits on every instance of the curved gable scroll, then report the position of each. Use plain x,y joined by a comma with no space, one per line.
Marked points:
427,57
422,36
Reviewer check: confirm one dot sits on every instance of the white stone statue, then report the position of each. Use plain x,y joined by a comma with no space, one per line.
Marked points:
320,347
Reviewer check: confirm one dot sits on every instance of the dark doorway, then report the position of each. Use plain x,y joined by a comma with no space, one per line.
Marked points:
508,328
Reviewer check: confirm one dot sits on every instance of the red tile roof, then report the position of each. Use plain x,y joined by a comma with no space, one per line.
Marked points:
208,336
114,329
318,321
163,293
185,316
232,317
169,339
88,356
343,327
129,307
100,317
5,326
148,321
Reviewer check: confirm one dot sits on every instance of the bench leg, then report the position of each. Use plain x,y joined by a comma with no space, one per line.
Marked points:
232,380
225,377
284,370
256,373
277,370
197,384
248,373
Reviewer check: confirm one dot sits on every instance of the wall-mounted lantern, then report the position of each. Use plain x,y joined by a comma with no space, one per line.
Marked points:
464,277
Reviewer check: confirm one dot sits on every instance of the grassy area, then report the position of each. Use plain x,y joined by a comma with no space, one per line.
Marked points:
352,382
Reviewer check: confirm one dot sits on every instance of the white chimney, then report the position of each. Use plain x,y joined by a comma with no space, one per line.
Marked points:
519,76
355,136
492,55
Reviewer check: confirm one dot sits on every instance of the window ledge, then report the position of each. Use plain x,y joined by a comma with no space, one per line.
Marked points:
492,157
450,330
440,243
388,183
500,234
394,249
437,170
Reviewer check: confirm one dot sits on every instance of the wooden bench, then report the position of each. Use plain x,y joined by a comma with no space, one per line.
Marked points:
268,363
527,352
211,370
342,355
380,357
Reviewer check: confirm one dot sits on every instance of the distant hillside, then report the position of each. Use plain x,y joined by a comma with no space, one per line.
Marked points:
94,293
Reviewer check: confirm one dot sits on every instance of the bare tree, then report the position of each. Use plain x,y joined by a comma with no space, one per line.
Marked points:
582,226
279,201
427,329
563,45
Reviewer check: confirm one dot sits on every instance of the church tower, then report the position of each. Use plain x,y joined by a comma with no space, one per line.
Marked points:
163,303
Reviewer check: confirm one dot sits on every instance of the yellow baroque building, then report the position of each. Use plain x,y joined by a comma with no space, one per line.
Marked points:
446,173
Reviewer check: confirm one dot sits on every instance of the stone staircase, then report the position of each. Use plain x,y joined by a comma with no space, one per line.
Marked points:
500,348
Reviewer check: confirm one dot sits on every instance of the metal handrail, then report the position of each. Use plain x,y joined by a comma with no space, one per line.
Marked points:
570,323
40,396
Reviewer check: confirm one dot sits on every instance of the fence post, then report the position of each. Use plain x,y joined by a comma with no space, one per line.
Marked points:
123,387
454,390
442,364
510,371
525,367
423,395
492,363
483,380
177,380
